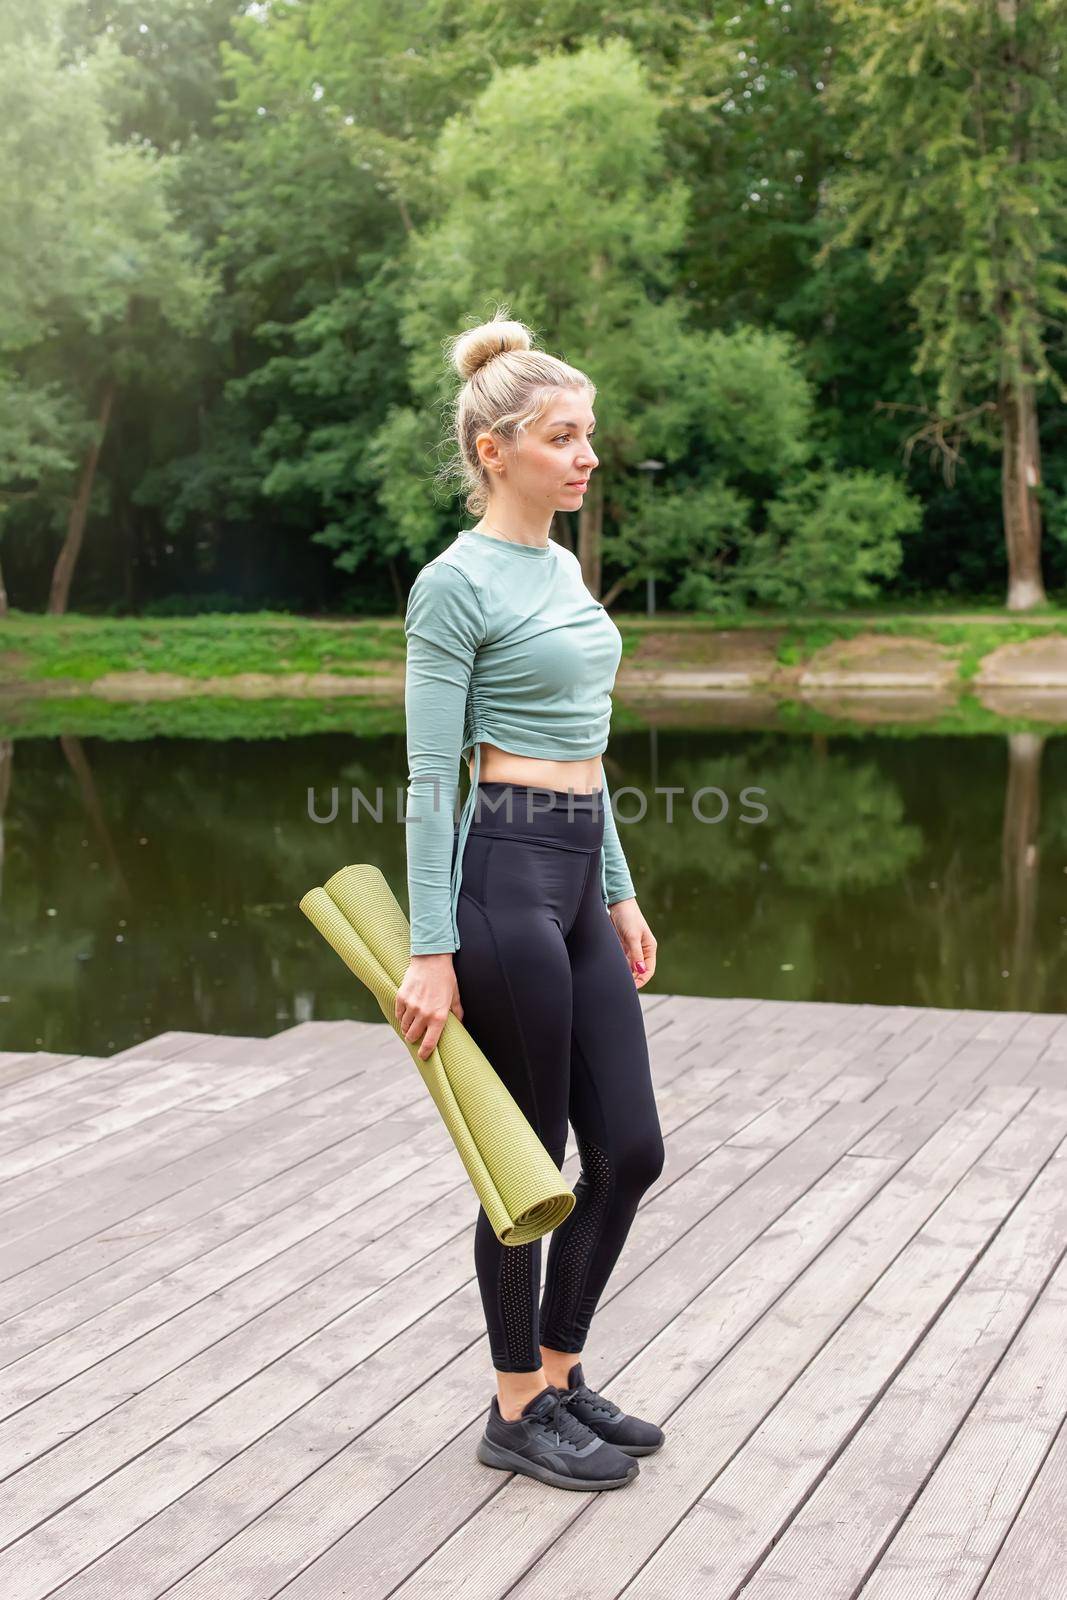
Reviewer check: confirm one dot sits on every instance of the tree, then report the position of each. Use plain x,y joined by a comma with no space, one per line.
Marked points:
575,232
954,170
94,268
737,426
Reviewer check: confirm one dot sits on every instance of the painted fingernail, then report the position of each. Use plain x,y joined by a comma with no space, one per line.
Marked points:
640,968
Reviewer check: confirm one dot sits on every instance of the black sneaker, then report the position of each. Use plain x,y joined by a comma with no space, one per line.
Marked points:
631,1435
547,1441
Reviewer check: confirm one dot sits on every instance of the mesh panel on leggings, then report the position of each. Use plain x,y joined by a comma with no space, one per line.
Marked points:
516,1302
571,1266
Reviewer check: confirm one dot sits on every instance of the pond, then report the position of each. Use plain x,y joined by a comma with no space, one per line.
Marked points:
153,884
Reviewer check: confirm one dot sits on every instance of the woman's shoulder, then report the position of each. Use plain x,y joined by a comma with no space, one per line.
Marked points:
445,595
465,582
447,567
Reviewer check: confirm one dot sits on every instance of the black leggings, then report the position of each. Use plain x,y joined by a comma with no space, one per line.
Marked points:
548,995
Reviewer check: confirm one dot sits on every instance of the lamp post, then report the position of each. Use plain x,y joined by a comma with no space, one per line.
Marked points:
651,466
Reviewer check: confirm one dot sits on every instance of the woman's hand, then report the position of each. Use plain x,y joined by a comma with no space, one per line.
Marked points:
425,998
636,938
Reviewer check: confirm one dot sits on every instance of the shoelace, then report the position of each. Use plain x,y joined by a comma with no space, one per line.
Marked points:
564,1424
596,1401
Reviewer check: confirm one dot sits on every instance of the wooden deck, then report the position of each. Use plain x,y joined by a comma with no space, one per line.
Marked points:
243,1352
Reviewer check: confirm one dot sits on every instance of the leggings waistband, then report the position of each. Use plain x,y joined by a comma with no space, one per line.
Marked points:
581,815
570,819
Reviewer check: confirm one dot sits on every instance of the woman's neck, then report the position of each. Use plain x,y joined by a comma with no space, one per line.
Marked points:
507,534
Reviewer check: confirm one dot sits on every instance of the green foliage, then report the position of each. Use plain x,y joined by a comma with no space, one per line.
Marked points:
746,401
39,424
956,174
597,287
782,241
832,538
684,536
94,262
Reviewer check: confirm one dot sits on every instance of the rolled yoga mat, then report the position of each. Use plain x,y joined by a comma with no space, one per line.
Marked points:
515,1178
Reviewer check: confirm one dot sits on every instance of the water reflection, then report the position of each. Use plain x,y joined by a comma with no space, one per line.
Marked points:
153,884
7,757
1020,847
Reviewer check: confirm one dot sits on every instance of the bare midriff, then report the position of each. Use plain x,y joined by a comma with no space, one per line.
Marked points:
503,766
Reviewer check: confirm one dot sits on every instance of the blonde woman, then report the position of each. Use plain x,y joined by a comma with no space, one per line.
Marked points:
524,919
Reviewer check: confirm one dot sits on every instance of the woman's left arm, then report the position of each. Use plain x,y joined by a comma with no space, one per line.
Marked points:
634,933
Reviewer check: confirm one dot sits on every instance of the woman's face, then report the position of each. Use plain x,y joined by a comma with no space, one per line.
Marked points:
552,461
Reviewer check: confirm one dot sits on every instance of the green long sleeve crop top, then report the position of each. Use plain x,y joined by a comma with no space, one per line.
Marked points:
504,644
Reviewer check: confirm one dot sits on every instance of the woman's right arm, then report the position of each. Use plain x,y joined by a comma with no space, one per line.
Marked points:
444,627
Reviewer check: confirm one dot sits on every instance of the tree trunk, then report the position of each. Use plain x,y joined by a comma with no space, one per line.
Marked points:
1020,475
3,595
74,751
66,561
127,563
1020,866
1020,472
590,528
614,592
398,589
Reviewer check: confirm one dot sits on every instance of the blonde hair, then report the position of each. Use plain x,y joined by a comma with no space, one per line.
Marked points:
507,387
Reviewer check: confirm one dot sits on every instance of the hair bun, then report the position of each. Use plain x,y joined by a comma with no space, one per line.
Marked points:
472,349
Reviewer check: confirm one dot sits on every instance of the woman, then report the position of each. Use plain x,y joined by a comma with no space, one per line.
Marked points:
542,953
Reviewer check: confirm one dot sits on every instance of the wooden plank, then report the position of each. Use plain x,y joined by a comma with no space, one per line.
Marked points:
317,1262
281,1385
1032,1560
837,1535
409,1525
711,1391
246,1213
669,1019
227,1500
1047,1073
689,1018
30,1066
54,1070
59,1106
106,1076
883,1398
47,1203
17,1087
193,1086
270,1443
684,1294
952,1534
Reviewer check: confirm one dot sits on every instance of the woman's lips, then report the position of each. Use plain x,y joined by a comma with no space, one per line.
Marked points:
584,484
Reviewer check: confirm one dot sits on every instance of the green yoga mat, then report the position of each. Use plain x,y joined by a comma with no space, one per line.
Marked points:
515,1178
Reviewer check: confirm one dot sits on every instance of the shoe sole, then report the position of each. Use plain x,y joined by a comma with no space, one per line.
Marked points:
639,1449
494,1455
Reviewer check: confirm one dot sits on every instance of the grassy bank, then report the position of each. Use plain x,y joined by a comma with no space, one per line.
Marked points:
36,649
969,641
